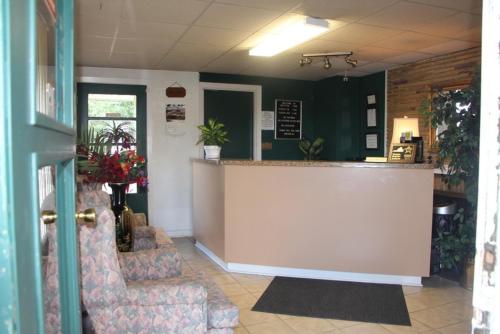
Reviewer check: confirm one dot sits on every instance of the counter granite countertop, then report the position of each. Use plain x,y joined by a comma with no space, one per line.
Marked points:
298,163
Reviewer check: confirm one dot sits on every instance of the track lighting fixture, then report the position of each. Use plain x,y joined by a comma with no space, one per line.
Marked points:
307,58
327,64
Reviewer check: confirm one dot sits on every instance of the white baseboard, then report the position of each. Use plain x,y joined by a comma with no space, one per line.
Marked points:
310,273
211,255
180,233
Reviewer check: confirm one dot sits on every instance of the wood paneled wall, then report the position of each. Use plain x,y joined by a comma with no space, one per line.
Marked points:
409,85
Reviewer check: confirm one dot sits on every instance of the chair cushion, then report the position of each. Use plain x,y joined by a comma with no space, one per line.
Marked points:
185,289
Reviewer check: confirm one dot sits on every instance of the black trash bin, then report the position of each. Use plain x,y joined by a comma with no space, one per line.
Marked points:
442,221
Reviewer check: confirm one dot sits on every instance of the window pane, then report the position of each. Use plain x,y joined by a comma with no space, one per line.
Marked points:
111,105
45,58
105,125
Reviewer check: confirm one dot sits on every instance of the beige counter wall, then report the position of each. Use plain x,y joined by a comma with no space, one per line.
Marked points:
208,204
363,220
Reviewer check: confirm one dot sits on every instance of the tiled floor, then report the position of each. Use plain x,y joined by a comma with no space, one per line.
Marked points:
441,306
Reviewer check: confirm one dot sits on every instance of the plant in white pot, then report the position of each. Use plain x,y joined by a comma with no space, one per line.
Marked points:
213,135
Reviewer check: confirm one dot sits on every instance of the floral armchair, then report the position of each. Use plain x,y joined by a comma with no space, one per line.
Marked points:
138,292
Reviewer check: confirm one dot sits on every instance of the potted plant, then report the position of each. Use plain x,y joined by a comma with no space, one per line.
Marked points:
311,150
213,135
458,113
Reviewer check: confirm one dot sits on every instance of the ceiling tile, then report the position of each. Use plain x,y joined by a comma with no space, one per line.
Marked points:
280,5
406,15
171,11
92,58
449,47
375,67
99,8
343,10
319,45
93,26
131,60
214,36
150,30
187,56
453,26
234,17
156,48
93,43
360,34
410,41
463,5
238,60
407,58
373,53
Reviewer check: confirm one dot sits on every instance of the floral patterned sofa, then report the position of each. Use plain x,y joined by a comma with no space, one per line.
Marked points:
136,292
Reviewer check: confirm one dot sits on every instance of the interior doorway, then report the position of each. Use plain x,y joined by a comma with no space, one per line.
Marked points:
238,107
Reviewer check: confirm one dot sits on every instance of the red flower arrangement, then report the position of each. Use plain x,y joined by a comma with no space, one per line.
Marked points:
125,166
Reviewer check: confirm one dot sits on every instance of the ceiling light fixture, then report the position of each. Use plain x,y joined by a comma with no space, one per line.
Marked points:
327,65
290,35
307,58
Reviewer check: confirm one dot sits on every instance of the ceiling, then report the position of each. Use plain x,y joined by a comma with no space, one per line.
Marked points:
215,35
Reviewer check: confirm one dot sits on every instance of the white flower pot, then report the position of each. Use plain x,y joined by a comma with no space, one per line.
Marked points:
212,152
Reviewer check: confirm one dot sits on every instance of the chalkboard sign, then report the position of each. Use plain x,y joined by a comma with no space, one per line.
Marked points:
288,118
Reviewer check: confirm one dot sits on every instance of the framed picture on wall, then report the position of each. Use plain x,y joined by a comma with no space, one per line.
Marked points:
371,141
371,117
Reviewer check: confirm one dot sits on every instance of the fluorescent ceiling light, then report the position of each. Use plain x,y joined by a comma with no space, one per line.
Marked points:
290,35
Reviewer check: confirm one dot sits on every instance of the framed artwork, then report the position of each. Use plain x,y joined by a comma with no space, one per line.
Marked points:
371,141
402,153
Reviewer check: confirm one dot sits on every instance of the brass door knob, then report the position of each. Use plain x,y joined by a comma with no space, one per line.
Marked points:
49,216
88,216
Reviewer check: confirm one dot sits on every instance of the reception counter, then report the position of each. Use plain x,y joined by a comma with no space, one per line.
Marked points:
368,222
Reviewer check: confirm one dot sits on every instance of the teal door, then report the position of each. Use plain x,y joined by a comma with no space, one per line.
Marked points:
235,110
37,136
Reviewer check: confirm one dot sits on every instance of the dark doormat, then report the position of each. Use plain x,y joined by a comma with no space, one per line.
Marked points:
367,302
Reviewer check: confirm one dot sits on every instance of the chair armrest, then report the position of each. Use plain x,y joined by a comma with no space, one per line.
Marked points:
151,264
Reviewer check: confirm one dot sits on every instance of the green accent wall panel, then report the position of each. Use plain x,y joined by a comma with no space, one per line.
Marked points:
331,108
272,89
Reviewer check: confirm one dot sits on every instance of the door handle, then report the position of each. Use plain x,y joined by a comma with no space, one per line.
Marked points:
88,216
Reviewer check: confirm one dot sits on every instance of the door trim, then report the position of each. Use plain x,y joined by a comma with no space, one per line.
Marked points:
257,107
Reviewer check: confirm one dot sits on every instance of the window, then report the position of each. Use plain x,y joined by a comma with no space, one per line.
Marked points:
108,112
107,106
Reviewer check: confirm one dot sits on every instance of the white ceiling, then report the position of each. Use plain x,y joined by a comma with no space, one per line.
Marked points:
215,35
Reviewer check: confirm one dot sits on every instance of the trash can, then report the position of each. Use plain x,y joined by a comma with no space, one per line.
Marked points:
442,221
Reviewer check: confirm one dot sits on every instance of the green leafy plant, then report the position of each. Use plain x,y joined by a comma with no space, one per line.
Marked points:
458,112
311,150
115,134
213,133
457,245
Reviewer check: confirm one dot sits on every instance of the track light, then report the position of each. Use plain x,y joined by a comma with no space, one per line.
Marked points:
327,64
305,61
308,57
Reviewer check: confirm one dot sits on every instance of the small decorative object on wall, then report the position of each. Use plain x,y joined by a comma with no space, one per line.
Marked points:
267,120
175,90
288,119
371,141
371,117
402,153
176,117
312,149
370,99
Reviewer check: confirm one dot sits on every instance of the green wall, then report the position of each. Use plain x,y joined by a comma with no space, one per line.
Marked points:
340,115
331,108
272,89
